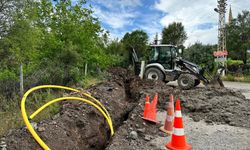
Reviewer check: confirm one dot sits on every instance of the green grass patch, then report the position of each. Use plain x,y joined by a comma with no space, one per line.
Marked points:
238,78
10,111
88,81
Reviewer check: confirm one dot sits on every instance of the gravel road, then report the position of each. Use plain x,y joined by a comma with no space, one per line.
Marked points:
210,137
244,88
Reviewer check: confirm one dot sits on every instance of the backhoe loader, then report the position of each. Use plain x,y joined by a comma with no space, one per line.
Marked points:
166,64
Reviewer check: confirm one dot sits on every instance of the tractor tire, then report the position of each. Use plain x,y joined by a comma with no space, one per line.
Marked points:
154,74
196,82
186,81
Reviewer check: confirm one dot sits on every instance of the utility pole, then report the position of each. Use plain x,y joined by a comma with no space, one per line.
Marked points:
221,9
156,39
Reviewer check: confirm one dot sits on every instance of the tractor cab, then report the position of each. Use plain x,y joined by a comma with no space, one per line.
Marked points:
164,55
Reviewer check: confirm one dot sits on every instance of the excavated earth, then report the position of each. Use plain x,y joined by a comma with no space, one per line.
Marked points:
79,126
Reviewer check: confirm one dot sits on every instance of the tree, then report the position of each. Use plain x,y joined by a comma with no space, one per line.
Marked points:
138,40
238,37
57,38
174,34
200,54
116,48
8,9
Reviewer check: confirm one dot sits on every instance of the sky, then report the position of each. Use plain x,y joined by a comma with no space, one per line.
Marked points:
198,16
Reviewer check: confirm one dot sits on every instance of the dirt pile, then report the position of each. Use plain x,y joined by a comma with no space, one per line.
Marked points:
217,105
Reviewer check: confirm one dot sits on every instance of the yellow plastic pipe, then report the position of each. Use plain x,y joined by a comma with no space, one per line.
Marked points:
74,98
30,128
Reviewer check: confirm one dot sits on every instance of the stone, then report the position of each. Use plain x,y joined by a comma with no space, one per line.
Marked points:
142,130
2,143
56,116
133,135
4,148
208,121
147,137
34,125
41,129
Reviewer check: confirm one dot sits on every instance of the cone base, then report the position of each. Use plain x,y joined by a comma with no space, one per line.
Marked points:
150,120
165,131
170,146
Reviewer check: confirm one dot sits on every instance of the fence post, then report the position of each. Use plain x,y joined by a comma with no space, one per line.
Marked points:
86,69
21,80
142,69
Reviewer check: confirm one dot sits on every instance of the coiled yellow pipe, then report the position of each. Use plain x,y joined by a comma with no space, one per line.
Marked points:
100,108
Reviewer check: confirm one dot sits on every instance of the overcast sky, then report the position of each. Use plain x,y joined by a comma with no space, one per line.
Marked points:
198,16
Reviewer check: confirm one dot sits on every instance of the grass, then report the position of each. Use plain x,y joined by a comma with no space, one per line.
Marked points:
10,111
90,80
237,78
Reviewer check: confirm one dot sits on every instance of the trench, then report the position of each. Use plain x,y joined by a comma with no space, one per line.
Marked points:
79,126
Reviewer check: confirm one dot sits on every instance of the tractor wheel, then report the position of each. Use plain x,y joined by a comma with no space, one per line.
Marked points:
186,81
196,82
154,74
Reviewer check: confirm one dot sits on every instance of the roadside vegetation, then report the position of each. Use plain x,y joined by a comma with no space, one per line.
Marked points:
63,43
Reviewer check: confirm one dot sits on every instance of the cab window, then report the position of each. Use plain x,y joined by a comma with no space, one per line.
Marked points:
165,53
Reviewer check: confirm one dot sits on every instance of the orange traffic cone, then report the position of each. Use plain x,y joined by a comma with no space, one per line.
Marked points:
150,115
178,141
146,106
168,126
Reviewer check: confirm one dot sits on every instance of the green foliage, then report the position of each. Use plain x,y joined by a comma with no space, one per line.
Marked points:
138,40
174,34
54,41
234,62
8,74
238,37
116,50
200,54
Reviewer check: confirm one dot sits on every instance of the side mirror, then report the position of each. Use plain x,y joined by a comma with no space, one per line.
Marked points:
180,51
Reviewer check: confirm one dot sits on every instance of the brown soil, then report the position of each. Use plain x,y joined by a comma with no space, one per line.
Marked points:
79,126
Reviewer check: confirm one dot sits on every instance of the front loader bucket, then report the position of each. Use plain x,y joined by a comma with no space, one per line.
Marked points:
216,80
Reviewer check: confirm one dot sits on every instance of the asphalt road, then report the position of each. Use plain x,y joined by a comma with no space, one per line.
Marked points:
244,88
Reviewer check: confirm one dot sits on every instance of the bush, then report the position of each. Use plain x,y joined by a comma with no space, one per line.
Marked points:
234,62
8,75
9,83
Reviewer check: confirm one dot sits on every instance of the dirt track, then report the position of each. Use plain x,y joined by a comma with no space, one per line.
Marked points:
81,127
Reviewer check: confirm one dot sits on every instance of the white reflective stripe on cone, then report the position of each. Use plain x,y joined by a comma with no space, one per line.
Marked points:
178,113
170,118
179,131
